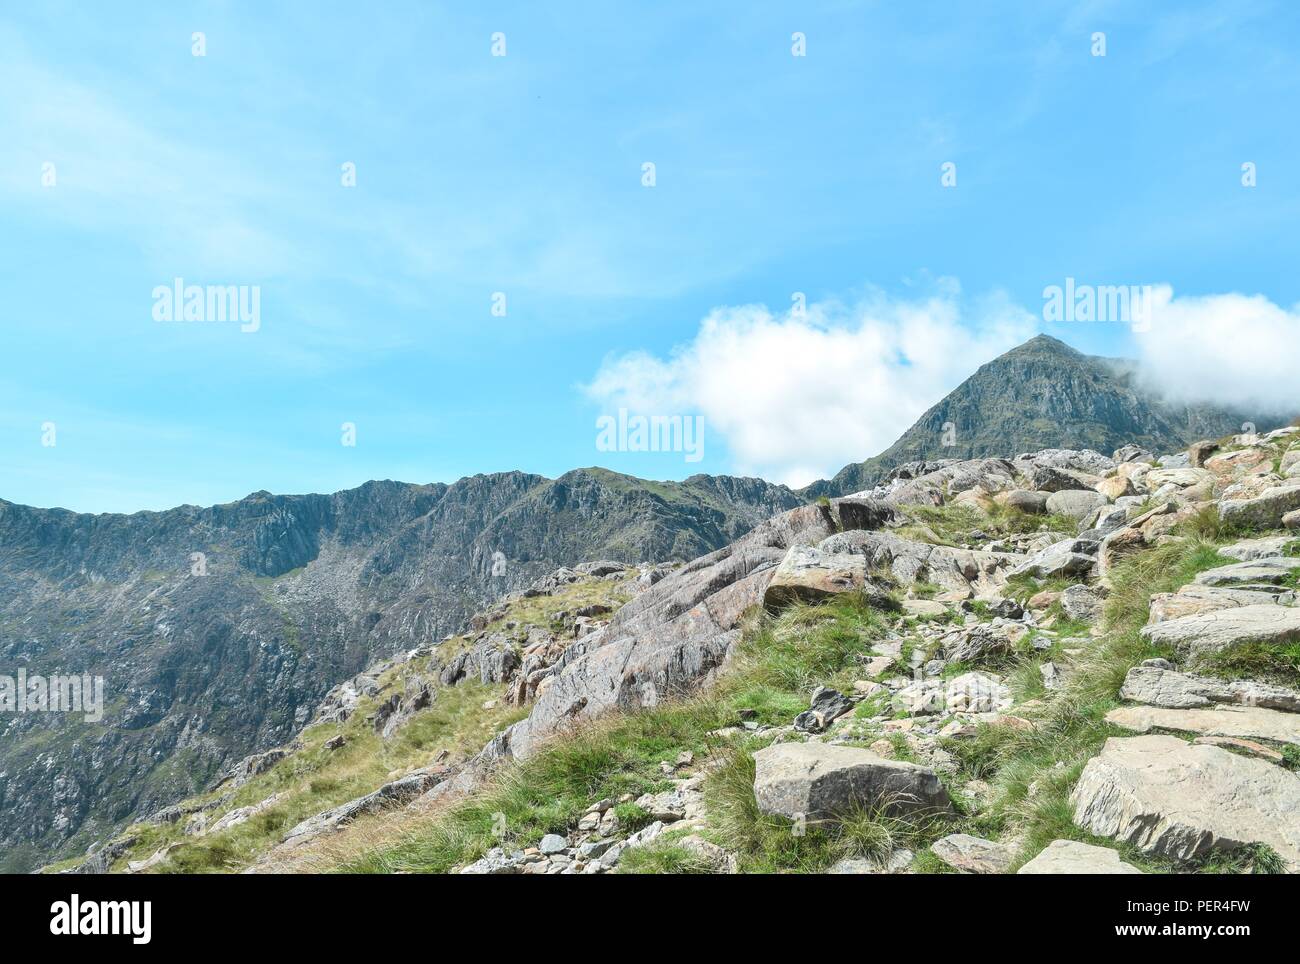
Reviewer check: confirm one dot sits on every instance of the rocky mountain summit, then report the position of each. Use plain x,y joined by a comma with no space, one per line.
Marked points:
1055,662
1042,394
218,630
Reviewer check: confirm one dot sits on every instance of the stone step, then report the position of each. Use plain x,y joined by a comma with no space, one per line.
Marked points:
1249,722
1159,685
1214,632
1182,801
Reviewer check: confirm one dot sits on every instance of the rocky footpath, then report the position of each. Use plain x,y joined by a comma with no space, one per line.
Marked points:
1202,764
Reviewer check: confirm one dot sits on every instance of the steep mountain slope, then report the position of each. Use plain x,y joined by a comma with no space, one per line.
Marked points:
1043,394
218,629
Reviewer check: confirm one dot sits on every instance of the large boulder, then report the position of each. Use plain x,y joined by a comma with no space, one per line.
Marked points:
1182,800
1081,603
1265,510
1033,503
1072,857
807,574
818,781
1250,549
976,693
1076,504
1213,632
1069,557
1133,453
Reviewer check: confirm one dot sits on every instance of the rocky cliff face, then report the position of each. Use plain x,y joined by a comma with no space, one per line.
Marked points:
1043,394
218,629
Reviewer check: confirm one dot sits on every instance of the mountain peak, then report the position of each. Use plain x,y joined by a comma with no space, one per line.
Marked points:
1044,345
1039,395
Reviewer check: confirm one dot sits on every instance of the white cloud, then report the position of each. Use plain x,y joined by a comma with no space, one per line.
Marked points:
1241,351
797,398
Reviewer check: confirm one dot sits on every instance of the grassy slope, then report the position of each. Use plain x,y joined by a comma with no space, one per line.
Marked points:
778,661
313,779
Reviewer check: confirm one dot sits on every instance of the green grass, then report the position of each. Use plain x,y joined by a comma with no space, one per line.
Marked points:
550,791
950,524
662,857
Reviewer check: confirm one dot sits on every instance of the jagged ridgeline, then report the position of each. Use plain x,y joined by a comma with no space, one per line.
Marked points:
219,629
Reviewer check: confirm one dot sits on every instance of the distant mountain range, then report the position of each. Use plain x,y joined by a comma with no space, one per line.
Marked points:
1043,394
219,629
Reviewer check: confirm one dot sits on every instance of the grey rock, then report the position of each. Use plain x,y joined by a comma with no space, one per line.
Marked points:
1194,599
674,636
1081,603
390,795
818,781
1076,504
1162,686
1132,453
1250,549
1182,800
896,862
1265,510
973,855
1260,572
827,706
1213,632
1069,557
1074,858
552,843
1034,503
1245,722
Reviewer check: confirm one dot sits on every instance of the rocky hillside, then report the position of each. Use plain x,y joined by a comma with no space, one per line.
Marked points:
1062,662
1043,394
219,629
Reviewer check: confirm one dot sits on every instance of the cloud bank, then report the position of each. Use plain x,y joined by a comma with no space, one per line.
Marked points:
796,396
1239,351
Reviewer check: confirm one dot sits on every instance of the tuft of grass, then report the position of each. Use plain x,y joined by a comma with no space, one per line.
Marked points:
662,857
770,844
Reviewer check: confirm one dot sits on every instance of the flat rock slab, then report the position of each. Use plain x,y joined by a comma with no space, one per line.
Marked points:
973,855
1250,549
819,781
1275,571
1249,722
1194,599
1214,632
1157,686
1072,857
1181,800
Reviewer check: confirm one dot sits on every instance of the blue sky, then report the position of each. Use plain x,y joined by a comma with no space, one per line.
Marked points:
522,174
